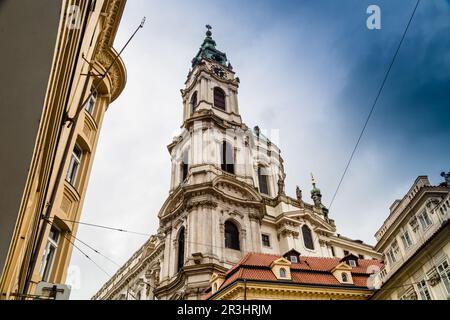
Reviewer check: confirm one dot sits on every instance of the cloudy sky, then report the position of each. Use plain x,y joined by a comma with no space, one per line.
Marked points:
310,69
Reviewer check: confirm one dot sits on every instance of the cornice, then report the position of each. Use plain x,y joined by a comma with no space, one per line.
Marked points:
419,199
184,198
292,289
105,53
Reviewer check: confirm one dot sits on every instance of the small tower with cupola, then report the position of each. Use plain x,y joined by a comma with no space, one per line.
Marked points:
211,86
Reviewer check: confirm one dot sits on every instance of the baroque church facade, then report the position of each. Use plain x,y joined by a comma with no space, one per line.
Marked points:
227,198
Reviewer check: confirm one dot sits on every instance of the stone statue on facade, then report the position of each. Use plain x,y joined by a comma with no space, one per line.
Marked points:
298,193
281,185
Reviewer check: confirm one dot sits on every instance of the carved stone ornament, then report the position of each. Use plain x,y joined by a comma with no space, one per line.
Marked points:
298,193
413,223
433,277
281,186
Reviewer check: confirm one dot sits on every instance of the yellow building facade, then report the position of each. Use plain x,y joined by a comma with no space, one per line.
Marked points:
72,113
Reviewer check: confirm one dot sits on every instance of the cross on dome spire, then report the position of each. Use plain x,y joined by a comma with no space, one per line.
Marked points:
209,51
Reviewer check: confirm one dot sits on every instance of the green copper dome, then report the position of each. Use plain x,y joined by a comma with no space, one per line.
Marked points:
315,191
208,51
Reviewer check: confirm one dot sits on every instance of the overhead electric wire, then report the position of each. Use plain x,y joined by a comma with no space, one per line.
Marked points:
106,227
95,250
83,253
89,258
374,104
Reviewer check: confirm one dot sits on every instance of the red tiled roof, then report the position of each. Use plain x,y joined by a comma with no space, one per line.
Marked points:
310,270
306,263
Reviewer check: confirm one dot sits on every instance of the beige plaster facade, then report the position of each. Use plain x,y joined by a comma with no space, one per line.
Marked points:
65,143
414,241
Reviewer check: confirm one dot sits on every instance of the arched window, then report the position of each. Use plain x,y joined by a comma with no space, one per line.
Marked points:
282,273
180,242
344,277
307,237
185,165
193,102
231,236
219,98
262,180
227,157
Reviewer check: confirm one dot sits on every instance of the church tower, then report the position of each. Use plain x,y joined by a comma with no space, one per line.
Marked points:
227,198
221,171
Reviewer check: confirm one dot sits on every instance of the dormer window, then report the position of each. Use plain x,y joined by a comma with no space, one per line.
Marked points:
351,260
292,255
344,277
281,269
219,98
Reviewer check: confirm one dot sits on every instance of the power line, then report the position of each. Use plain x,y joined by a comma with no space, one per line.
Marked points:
374,104
89,258
95,250
81,251
106,227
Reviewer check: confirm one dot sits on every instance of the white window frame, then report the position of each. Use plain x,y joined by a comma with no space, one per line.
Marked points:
352,263
423,289
50,248
444,274
424,218
90,104
293,259
406,244
409,294
391,256
74,165
404,297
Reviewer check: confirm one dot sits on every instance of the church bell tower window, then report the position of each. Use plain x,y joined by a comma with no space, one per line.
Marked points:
219,98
